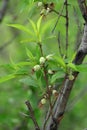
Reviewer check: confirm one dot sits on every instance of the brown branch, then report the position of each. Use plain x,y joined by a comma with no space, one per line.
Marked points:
3,10
32,115
60,105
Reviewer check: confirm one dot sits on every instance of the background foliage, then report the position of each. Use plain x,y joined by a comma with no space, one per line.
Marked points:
16,53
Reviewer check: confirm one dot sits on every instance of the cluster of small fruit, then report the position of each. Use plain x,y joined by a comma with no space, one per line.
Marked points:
45,7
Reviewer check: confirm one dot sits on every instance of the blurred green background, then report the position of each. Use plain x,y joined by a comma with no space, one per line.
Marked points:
13,93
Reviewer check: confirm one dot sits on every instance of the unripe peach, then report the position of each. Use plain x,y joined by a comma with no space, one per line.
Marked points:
40,4
42,60
36,67
43,101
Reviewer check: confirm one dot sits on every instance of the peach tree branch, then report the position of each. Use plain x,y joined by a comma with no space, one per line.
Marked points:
61,102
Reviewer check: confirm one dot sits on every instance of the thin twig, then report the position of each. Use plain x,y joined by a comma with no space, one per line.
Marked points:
47,84
48,116
59,15
41,50
46,119
60,51
67,25
32,115
49,97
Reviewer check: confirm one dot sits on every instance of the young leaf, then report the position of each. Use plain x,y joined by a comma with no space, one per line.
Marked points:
29,40
82,67
39,23
60,61
33,26
8,77
29,54
22,71
72,66
22,28
23,64
7,66
38,54
29,81
56,76
47,26
73,56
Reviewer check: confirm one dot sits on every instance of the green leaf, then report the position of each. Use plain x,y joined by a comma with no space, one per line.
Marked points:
29,81
22,71
38,54
29,54
60,61
23,64
28,40
82,68
50,37
22,28
39,23
47,25
8,77
72,66
7,66
56,76
73,56
33,26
